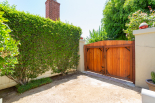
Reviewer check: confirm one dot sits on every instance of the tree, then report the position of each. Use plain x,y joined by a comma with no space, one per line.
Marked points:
8,49
116,12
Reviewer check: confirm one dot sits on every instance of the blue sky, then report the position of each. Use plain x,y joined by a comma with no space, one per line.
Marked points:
86,14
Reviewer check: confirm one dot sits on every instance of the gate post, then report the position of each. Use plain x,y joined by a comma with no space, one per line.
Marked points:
81,53
144,55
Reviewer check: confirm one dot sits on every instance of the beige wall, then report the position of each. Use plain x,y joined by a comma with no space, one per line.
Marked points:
81,53
145,55
5,82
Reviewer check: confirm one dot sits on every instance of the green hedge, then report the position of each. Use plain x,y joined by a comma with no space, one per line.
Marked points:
45,43
32,84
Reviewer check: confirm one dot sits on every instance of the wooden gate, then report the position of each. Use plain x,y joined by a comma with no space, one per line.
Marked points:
111,58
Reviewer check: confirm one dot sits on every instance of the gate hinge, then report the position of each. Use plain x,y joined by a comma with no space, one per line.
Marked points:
127,48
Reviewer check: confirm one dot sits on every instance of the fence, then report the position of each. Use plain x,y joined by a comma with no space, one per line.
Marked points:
112,58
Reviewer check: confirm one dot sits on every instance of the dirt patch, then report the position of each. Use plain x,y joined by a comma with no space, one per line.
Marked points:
78,88
5,92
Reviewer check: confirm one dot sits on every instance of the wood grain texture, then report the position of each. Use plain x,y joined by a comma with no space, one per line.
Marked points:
114,58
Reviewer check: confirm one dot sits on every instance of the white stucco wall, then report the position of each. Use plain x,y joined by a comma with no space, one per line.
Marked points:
144,55
81,53
5,82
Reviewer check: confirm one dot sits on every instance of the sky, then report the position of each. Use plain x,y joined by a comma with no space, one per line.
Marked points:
86,14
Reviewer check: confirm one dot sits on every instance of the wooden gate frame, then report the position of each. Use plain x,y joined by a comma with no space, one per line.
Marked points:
85,54
117,46
105,57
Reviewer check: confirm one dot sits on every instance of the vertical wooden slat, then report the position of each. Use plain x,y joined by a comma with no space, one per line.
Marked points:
91,59
114,60
125,66
121,62
131,73
110,61
95,59
87,58
117,60
102,58
128,62
105,60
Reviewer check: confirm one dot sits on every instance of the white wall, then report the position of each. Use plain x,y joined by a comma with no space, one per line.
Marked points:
81,53
5,82
144,55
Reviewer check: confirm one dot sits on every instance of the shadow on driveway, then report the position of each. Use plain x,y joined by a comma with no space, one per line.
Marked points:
59,81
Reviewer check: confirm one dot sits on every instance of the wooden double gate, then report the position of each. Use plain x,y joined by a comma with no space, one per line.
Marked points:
111,58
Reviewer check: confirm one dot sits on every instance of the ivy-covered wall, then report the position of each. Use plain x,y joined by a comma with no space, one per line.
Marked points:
44,43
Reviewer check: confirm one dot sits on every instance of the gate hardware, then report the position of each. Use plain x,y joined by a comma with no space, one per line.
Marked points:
107,49
100,49
128,77
88,68
103,72
102,67
88,49
107,72
127,48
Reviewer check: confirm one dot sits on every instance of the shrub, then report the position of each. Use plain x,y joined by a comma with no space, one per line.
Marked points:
33,84
8,48
153,77
135,20
45,44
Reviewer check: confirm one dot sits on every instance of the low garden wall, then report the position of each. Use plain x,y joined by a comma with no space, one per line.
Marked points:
5,82
145,55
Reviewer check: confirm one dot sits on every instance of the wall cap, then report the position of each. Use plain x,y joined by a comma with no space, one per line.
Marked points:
144,31
148,93
81,40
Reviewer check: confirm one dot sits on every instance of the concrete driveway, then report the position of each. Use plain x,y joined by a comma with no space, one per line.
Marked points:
79,88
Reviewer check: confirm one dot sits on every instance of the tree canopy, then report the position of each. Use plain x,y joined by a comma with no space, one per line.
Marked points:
116,12
8,48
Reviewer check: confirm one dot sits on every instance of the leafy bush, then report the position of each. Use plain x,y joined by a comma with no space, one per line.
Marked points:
135,20
8,48
116,12
33,84
153,77
95,36
45,44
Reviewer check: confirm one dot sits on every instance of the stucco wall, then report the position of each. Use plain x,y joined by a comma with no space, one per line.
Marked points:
81,53
5,82
144,55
